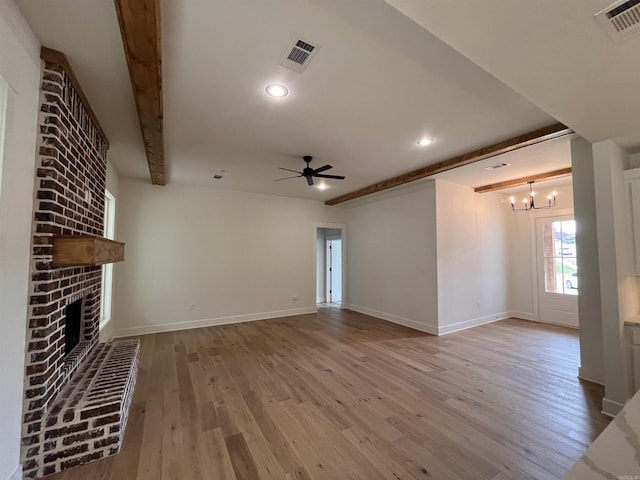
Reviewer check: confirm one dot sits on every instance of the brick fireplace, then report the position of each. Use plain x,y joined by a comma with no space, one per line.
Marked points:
66,421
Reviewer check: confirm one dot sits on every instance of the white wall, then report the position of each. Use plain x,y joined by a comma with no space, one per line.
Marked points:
618,289
425,255
113,182
392,256
233,255
522,254
589,305
473,269
20,67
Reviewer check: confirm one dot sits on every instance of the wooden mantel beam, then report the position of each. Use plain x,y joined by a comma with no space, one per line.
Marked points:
547,133
524,180
140,28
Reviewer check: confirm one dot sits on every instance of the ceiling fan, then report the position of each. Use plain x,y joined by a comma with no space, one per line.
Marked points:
309,173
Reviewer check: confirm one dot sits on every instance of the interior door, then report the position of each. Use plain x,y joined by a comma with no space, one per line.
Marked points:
557,270
334,260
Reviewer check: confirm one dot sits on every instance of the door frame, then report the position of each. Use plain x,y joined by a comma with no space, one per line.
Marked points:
533,239
343,229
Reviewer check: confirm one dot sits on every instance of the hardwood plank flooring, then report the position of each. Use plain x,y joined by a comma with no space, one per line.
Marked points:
340,395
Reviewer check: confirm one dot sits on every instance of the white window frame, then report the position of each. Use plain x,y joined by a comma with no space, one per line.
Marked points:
4,101
106,296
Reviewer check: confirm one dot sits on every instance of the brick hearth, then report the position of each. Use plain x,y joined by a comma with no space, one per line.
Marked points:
88,421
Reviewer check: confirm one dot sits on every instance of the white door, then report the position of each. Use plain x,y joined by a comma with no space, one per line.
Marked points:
557,270
334,275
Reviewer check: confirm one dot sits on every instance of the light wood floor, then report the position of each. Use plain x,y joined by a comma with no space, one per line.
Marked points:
340,395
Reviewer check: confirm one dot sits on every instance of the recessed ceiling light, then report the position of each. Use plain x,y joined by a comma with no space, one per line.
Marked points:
277,90
323,186
423,142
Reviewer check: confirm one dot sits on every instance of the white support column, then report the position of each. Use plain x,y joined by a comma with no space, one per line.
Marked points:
618,289
589,305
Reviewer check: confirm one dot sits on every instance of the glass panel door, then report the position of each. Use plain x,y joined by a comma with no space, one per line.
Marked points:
557,270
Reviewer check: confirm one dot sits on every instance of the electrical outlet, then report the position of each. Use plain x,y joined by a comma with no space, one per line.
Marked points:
192,307
478,304
294,298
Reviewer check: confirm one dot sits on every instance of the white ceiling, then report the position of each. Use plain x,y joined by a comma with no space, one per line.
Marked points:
378,83
554,53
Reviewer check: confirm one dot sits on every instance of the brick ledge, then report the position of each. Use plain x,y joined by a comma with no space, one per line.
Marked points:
87,421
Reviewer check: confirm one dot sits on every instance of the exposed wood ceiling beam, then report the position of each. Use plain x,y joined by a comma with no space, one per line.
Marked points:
524,180
547,133
140,27
59,58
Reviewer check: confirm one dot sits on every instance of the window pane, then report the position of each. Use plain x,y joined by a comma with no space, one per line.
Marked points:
557,238
547,240
559,249
107,270
570,276
553,282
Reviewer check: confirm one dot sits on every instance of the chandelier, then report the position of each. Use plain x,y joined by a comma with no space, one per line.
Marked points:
528,203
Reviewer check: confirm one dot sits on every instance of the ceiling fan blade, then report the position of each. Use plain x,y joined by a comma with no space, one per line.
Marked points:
289,170
337,177
287,178
322,169
310,180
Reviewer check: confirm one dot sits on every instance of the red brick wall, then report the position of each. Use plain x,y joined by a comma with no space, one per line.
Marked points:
69,199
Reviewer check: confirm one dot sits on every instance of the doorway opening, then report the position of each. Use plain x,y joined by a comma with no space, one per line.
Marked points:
329,266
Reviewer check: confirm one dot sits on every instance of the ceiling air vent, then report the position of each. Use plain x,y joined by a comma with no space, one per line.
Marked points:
621,20
299,54
497,166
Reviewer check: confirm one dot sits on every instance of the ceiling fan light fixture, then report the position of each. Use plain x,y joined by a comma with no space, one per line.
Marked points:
276,90
310,173
424,141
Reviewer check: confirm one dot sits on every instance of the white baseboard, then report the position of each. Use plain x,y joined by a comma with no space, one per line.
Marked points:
209,322
593,376
394,319
474,322
407,322
531,317
17,474
611,408
321,300
523,315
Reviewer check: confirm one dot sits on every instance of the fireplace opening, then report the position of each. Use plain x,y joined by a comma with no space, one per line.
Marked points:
73,325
